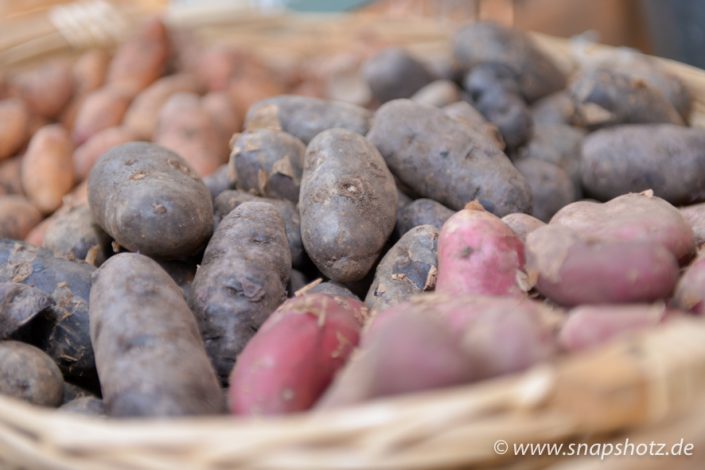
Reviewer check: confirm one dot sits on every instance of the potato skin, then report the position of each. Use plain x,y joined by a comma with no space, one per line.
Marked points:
394,73
17,217
102,109
555,109
46,89
268,163
143,114
29,374
241,280
305,117
150,358
63,333
482,42
11,176
313,329
422,212
333,289
140,60
75,236
631,217
218,181
86,155
590,326
666,158
348,204
695,216
440,159
572,271
478,254
228,200
438,93
47,168
14,131
465,113
558,144
690,290
551,187
522,224
149,200
409,267
186,128
607,97
89,406
21,304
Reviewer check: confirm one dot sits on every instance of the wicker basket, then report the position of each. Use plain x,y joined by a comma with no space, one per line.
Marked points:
649,387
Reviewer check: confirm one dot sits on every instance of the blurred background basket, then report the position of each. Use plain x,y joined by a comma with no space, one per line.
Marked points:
648,387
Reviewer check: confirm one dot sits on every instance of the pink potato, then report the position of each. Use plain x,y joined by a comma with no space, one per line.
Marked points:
100,110
437,340
522,224
478,254
88,154
690,290
46,89
294,356
631,217
695,216
14,130
571,270
589,326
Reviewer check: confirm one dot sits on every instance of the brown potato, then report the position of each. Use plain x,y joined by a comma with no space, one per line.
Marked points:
75,236
556,108
86,155
185,127
227,119
21,305
143,114
142,59
47,168
102,109
90,71
14,130
394,73
17,217
46,89
10,176
29,374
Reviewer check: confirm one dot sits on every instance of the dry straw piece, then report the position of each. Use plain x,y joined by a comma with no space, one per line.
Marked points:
648,387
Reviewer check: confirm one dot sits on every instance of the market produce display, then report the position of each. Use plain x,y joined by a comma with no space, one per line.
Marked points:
187,230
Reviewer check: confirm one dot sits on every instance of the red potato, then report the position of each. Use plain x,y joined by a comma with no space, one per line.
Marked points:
631,217
522,224
294,356
695,216
143,115
46,89
478,254
101,110
590,326
142,59
390,361
14,130
47,168
188,129
88,154
690,290
571,270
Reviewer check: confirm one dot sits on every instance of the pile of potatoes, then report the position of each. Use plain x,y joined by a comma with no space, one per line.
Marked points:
187,231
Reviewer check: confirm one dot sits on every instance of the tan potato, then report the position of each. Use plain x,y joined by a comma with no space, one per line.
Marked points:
90,70
226,118
143,114
101,109
10,181
47,168
14,117
88,154
17,217
140,60
188,129
46,89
